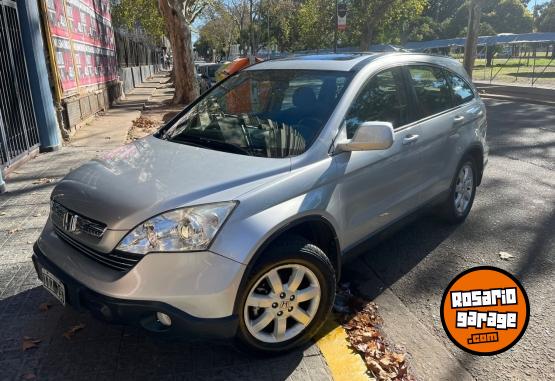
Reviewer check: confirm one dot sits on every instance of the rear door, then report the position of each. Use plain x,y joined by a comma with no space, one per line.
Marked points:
438,119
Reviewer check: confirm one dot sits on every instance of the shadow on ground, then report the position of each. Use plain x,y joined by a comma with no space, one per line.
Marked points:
103,351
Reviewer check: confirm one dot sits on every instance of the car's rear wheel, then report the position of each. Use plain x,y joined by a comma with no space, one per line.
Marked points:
461,195
286,298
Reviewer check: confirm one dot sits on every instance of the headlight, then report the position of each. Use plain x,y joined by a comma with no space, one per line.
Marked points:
186,229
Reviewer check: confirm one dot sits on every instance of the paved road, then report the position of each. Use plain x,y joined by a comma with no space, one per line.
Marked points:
100,351
513,212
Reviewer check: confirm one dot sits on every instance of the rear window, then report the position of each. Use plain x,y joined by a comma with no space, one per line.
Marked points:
431,88
461,90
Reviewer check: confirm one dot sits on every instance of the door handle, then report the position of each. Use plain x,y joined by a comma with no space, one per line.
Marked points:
458,119
410,139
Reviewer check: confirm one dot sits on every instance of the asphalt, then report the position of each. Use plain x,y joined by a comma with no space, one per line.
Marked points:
406,274
513,212
100,351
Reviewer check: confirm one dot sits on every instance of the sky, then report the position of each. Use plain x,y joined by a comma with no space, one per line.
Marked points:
534,2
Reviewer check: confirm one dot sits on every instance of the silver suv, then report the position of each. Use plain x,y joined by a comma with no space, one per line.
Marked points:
234,218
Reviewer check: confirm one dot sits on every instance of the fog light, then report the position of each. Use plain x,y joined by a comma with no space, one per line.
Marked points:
163,319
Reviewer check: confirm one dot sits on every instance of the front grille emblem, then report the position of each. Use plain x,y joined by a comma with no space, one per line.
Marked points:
70,222
74,223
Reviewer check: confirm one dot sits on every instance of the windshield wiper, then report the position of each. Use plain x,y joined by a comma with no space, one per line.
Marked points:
210,143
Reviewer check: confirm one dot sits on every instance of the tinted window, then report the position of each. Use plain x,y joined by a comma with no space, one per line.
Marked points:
382,99
462,92
431,89
267,113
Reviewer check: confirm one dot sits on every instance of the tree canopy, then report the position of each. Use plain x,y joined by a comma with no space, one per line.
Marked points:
296,25
143,14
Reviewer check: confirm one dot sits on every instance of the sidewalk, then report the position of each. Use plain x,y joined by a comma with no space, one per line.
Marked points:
100,351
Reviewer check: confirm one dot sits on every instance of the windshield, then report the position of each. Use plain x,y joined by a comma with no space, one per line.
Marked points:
266,113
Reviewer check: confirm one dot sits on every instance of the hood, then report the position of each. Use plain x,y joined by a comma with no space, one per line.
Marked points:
137,181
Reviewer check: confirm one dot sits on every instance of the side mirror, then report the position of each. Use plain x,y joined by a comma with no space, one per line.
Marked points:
369,136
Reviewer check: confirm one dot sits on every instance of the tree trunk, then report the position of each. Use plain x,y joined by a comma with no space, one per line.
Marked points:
366,38
185,82
490,52
474,14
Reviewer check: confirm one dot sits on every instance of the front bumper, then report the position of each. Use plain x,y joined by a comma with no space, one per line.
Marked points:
140,313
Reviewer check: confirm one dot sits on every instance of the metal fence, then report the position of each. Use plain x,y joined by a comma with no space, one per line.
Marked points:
134,49
530,64
18,128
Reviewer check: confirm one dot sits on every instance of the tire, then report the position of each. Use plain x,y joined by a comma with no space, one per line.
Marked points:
450,210
290,256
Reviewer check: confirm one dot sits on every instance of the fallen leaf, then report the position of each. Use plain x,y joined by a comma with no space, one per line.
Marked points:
29,342
44,180
12,231
363,324
43,307
2,213
504,255
71,332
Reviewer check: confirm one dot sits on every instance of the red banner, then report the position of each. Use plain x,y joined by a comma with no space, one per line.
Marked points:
83,39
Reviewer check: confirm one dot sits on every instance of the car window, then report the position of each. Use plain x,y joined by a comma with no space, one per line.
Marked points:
382,99
266,113
431,89
460,89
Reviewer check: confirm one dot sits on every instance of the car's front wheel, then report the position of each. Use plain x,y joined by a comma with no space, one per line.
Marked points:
286,298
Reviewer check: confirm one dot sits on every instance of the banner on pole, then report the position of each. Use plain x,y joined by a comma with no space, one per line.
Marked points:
341,16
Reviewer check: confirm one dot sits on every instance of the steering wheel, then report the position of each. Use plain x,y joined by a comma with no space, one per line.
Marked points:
308,128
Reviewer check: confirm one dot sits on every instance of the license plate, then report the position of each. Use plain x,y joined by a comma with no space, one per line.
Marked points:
54,285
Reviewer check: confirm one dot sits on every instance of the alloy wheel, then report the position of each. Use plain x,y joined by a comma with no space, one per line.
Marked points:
282,303
464,188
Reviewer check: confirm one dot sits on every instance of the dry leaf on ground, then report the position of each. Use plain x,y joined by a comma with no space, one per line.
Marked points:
13,231
71,332
29,342
506,256
44,180
363,328
142,126
43,307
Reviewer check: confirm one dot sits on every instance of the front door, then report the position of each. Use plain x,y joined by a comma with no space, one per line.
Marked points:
378,187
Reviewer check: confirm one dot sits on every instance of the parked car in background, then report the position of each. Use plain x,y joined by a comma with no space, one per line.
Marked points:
208,71
233,220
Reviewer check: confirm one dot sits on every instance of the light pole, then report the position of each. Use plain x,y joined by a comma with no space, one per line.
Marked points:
335,30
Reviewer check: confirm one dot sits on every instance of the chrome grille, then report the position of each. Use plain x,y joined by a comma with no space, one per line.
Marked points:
70,222
70,225
115,260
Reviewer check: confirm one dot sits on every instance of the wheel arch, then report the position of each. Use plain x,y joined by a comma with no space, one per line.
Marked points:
315,228
476,152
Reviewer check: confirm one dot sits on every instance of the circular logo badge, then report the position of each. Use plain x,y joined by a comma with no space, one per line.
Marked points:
485,310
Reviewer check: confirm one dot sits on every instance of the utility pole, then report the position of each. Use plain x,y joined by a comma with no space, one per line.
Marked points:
335,30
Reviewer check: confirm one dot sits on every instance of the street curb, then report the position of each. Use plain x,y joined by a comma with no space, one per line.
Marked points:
343,362
429,357
512,92
517,99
